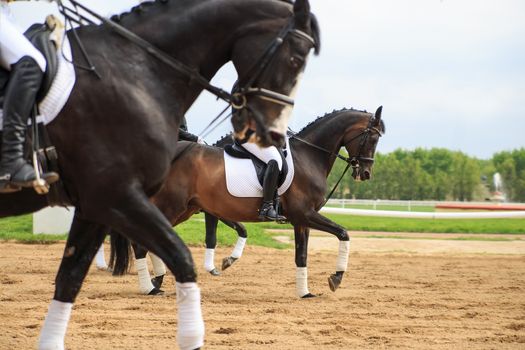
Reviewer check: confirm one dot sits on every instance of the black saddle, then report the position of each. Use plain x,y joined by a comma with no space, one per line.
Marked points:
236,150
39,35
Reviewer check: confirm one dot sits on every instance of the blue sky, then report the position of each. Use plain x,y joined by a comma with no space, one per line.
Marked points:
448,73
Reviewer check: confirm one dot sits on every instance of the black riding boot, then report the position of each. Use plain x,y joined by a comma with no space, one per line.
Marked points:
24,82
271,177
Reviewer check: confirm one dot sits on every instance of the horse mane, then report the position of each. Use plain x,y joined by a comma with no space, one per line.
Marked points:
223,141
326,116
143,6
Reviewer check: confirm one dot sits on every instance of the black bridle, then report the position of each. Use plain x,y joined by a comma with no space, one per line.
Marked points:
351,161
238,99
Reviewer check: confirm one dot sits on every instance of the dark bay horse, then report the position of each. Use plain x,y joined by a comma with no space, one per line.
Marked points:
117,135
197,181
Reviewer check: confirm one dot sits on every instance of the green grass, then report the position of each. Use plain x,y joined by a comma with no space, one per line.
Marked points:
192,231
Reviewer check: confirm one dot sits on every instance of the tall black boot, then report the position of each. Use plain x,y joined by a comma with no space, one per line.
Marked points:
271,177
24,82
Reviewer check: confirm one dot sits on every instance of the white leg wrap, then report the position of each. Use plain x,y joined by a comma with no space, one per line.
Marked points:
145,285
100,259
55,326
190,332
342,258
209,256
159,269
301,281
239,247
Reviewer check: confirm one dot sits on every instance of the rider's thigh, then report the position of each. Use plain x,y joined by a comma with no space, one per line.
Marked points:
14,45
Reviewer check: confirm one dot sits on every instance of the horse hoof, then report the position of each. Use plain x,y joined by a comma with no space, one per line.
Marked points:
309,295
156,291
157,281
214,272
333,282
227,262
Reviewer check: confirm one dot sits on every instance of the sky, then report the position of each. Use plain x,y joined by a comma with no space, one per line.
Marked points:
448,73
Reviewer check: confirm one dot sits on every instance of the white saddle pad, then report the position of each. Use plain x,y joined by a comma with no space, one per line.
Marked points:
60,89
241,178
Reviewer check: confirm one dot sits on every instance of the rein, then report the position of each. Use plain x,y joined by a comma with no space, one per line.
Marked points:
350,161
238,99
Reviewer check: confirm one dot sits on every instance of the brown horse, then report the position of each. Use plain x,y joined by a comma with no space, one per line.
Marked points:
197,182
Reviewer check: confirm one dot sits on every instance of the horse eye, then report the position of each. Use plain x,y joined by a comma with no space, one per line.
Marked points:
296,62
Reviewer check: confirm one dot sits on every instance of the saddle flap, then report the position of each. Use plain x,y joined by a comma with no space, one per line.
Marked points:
40,36
237,151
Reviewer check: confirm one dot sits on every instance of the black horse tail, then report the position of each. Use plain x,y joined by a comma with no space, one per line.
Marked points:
119,259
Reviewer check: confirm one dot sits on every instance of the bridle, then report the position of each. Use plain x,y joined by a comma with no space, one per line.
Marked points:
351,161
238,99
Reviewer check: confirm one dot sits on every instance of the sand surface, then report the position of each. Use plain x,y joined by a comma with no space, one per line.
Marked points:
397,299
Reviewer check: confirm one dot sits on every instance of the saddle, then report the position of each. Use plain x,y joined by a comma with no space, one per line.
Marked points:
236,150
40,35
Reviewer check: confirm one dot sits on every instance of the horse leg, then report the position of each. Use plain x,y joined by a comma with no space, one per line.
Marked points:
319,222
239,246
145,224
301,253
100,259
83,241
146,283
159,270
211,242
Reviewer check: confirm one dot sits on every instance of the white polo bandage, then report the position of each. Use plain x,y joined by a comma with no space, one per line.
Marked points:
100,259
342,258
209,256
239,247
301,281
190,329
55,325
159,268
145,285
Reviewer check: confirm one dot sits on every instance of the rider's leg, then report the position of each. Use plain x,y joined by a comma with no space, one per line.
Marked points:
27,66
271,177
272,157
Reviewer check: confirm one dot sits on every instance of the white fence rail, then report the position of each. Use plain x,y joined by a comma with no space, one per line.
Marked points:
425,215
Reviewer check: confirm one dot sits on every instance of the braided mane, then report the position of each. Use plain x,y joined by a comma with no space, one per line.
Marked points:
326,116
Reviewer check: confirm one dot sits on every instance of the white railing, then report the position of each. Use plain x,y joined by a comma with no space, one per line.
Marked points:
425,215
409,204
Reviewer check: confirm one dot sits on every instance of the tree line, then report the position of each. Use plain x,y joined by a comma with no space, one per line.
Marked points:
435,174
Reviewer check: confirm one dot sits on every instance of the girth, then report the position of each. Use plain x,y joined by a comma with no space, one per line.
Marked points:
237,151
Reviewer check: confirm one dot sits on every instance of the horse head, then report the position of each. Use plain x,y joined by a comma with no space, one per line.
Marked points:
361,141
270,58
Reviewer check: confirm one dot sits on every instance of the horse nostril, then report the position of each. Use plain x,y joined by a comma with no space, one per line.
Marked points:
367,175
277,138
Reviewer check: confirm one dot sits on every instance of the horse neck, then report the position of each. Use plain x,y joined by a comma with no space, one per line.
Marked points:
202,34
328,133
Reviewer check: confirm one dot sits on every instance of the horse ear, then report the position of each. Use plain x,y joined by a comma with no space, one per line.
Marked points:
377,115
301,10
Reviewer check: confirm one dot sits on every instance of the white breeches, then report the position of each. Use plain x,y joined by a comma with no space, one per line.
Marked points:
265,154
14,45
